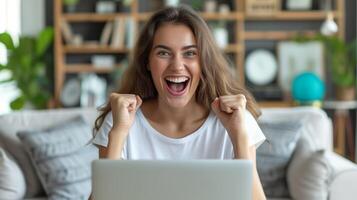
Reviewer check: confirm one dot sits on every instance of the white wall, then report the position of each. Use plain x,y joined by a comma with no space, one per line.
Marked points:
32,16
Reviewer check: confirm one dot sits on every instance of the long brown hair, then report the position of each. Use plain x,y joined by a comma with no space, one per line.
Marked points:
215,80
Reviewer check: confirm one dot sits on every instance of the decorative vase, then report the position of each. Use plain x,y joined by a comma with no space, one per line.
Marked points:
345,93
172,2
221,36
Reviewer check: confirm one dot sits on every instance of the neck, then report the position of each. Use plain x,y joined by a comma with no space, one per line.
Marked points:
160,112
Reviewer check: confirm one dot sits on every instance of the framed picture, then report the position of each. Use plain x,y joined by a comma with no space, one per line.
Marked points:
295,58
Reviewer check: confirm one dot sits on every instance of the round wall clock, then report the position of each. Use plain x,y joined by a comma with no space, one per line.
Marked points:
261,67
71,92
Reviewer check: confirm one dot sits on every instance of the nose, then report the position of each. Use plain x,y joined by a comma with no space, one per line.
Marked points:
177,63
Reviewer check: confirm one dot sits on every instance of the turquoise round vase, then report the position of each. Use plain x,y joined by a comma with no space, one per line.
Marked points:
307,89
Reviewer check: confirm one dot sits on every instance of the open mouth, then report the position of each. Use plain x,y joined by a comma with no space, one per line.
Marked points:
177,85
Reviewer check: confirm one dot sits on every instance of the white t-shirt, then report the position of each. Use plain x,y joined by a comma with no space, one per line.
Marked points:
210,141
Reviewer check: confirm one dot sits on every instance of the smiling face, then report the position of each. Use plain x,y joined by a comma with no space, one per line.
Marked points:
174,64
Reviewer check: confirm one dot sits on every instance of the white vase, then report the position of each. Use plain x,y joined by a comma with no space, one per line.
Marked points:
172,2
221,36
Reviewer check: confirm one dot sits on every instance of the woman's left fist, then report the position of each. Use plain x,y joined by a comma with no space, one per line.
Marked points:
230,110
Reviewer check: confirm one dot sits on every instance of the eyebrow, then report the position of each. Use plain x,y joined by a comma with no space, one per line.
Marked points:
168,48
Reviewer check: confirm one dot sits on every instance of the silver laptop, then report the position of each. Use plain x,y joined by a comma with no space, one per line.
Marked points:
172,180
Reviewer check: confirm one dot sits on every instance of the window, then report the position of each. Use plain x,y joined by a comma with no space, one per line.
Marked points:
9,22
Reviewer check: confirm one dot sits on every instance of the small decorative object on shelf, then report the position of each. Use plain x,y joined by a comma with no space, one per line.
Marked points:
93,90
210,6
70,5
221,36
262,7
308,89
103,61
224,9
172,2
299,4
105,7
329,26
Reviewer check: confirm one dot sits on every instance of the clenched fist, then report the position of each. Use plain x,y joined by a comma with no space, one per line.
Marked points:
230,110
124,107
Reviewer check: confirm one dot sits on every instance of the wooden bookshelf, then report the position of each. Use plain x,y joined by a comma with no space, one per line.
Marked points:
92,17
240,35
291,16
88,68
276,35
93,49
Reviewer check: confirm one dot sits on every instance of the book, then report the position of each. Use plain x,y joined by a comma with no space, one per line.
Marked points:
67,32
118,33
106,33
130,33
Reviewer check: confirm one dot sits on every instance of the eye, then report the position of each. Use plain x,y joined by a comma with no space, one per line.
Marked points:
190,53
163,53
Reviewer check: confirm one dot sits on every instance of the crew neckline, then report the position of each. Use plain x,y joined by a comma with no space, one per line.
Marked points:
165,138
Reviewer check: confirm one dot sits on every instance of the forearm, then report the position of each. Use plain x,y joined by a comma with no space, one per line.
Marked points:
243,151
115,144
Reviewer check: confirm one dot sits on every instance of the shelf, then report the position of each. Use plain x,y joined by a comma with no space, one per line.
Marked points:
275,104
220,16
93,49
276,35
88,68
290,16
92,17
206,16
282,15
233,48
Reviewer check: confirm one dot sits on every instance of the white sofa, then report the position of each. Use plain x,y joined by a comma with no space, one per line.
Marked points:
317,130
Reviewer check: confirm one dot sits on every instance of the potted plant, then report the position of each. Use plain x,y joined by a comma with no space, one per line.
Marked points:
70,5
27,65
342,59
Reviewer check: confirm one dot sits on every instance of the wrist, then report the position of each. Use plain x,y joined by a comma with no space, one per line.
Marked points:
241,147
116,141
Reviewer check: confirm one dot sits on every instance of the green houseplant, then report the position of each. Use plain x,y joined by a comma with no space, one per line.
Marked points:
342,59
27,66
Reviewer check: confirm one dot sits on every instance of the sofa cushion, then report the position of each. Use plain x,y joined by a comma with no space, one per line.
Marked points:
62,156
12,180
11,123
274,155
309,173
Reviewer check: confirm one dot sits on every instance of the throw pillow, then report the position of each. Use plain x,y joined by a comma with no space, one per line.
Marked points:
274,155
309,173
12,180
62,158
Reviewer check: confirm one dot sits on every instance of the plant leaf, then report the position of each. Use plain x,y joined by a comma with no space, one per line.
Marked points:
44,40
18,103
6,80
6,39
2,67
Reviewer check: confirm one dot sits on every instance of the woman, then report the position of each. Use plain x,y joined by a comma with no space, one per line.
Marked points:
178,100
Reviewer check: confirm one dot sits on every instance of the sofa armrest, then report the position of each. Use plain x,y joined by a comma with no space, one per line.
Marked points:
344,177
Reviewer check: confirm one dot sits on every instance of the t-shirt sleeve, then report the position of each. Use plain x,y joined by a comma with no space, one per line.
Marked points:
102,135
255,134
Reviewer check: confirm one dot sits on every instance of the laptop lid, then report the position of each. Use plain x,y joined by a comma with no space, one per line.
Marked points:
172,180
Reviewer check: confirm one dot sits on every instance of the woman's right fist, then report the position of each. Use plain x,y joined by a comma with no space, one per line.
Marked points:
124,107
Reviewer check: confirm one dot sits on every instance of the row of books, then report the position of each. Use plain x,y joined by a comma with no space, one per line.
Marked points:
119,33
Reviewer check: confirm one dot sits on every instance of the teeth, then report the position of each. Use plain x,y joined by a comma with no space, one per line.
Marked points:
176,79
